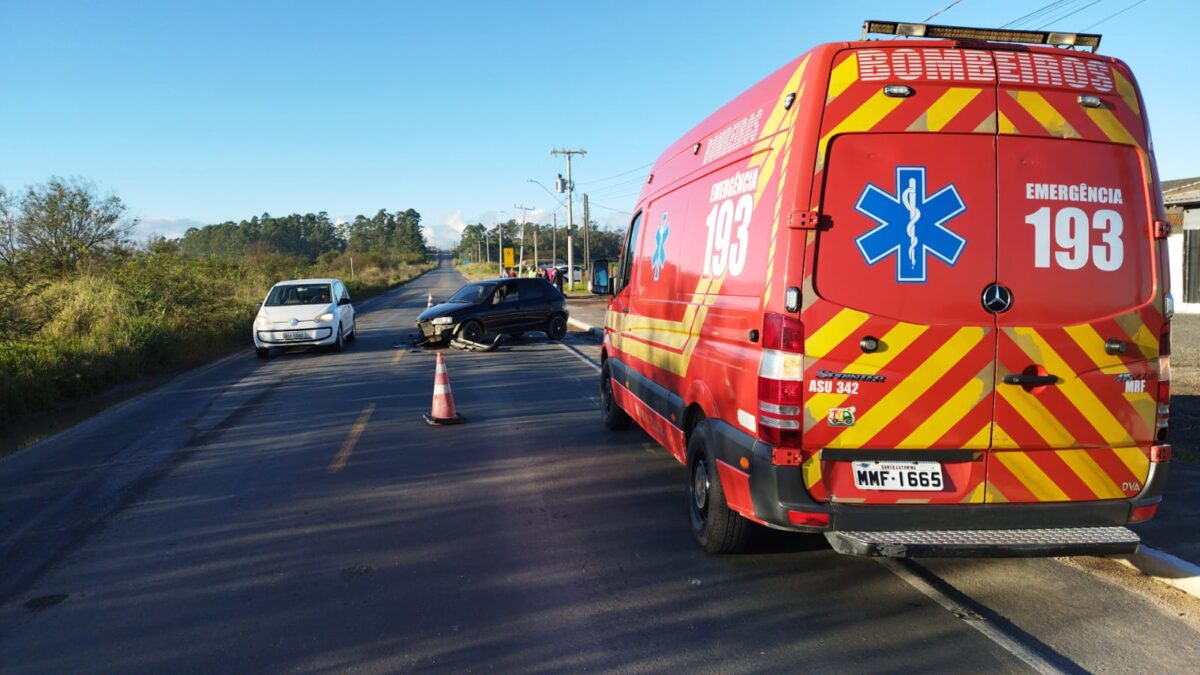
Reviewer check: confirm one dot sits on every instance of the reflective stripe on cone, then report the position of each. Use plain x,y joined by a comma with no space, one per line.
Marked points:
443,399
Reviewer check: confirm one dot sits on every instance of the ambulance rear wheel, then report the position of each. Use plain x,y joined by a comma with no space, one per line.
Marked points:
614,417
717,528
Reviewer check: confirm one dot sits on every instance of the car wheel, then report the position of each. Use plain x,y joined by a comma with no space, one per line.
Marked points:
471,331
263,352
340,343
353,330
717,528
556,327
614,417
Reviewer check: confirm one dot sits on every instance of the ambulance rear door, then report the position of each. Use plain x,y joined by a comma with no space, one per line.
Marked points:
1078,325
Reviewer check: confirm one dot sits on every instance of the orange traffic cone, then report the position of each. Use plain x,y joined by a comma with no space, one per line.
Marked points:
443,401
429,302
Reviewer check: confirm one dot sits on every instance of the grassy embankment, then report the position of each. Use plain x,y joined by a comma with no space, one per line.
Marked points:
147,314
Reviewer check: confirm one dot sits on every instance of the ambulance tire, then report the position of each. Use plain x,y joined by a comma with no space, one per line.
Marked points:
717,528
614,417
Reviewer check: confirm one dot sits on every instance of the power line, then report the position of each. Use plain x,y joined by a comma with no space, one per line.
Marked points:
1115,14
941,10
1037,13
1069,14
623,173
609,208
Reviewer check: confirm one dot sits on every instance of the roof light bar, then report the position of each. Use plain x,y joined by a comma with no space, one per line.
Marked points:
1037,37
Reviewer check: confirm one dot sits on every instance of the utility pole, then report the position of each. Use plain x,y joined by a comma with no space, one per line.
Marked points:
521,266
587,249
570,189
554,241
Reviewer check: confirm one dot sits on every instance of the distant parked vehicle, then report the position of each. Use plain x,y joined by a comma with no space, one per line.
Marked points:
304,312
510,306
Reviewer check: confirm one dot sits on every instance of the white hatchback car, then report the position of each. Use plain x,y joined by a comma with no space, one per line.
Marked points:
304,312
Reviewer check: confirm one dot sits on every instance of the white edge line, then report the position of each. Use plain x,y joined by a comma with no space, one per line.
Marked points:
575,352
969,617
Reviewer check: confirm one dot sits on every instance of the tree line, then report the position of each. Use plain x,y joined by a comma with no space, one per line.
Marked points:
479,242
395,235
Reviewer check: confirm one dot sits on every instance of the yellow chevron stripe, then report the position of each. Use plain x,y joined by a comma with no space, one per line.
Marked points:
1031,476
1046,115
896,340
775,121
864,118
909,389
1127,92
1111,126
811,470
1006,126
1093,345
949,105
1074,389
1135,459
1099,482
950,412
976,496
1041,419
844,75
834,332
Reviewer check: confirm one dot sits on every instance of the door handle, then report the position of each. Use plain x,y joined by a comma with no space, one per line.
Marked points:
1030,380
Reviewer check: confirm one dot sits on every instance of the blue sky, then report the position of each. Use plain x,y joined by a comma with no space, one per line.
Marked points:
200,112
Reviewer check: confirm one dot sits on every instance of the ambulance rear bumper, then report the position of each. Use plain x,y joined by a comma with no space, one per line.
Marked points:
780,501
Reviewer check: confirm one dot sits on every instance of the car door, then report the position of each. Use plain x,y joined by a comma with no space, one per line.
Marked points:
505,310
534,304
345,309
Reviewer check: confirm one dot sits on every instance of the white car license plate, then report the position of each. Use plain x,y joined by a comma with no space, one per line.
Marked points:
899,476
295,335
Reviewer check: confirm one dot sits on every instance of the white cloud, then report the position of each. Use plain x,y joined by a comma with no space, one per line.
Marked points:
448,232
164,226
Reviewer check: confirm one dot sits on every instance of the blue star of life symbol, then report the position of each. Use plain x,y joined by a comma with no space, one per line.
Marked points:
911,224
659,259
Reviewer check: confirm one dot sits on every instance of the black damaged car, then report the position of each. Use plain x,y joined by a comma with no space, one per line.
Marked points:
507,306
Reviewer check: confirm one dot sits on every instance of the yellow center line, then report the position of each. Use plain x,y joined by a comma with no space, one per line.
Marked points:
343,456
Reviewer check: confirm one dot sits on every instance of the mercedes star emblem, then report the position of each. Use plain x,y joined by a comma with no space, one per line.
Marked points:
997,299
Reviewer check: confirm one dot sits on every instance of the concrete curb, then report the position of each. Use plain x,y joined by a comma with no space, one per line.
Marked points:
1165,568
596,331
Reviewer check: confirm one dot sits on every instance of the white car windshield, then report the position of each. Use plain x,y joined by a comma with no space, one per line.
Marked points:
472,293
299,294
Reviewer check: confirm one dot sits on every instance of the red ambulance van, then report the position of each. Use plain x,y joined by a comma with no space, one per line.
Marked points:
911,293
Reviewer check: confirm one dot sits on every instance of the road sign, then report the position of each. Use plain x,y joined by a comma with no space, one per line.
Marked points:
508,257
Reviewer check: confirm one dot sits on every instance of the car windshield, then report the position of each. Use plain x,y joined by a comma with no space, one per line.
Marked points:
472,293
299,294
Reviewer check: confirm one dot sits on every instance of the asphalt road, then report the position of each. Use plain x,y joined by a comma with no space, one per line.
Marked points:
298,514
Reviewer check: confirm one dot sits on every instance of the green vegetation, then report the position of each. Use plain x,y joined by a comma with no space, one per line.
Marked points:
82,309
478,243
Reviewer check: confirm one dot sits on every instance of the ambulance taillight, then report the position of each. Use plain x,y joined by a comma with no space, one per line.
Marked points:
1162,419
781,381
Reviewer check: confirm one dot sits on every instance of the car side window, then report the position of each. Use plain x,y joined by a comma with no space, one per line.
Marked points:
531,290
505,294
343,292
625,266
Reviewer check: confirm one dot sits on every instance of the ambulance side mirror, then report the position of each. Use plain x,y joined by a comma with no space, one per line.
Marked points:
600,284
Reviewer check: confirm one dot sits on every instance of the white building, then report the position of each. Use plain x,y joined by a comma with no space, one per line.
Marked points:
1182,199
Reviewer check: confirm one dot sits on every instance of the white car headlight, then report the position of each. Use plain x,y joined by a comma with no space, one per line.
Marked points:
442,321
324,318
261,321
